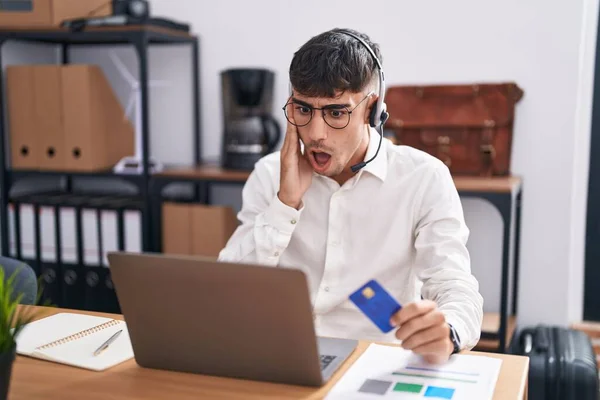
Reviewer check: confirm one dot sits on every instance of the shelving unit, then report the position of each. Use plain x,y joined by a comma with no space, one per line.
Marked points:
141,37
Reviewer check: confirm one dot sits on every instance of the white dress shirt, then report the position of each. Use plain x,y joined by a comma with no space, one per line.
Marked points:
399,220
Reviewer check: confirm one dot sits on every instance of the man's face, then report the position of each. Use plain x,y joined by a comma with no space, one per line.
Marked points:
330,150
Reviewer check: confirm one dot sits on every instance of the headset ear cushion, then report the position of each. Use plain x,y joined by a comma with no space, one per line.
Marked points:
372,115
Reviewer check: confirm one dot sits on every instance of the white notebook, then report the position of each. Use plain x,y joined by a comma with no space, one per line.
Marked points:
71,339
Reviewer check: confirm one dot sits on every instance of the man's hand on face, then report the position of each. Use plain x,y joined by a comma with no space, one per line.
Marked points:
424,330
296,172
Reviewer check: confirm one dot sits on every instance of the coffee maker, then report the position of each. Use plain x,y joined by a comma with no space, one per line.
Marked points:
250,130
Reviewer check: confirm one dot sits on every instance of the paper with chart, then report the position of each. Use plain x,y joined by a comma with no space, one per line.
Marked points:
384,372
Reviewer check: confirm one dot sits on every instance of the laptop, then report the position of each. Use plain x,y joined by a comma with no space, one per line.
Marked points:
197,315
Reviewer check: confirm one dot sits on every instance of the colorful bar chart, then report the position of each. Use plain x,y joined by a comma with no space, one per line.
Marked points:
388,372
381,387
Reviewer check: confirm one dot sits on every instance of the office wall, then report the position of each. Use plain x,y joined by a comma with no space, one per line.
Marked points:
548,49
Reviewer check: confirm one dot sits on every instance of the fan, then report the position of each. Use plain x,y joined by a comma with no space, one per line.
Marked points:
135,165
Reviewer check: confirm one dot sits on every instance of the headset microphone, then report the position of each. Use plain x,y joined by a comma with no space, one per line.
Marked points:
379,113
362,164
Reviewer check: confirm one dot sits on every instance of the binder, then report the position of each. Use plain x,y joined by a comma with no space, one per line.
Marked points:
12,240
109,233
27,230
48,114
90,237
50,266
20,93
97,135
133,230
68,235
48,234
74,273
94,285
51,280
91,224
73,286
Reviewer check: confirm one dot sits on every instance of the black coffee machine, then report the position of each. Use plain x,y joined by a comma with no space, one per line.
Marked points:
250,130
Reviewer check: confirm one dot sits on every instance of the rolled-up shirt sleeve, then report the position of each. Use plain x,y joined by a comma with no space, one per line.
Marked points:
266,224
442,259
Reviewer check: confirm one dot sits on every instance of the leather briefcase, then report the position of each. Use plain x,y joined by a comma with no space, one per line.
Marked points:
468,127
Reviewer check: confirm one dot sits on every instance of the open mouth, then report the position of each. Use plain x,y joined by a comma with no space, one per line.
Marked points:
320,160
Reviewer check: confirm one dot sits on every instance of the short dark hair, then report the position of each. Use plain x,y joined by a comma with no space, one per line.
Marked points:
333,61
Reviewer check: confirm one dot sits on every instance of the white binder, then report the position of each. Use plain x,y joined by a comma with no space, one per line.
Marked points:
47,234
68,232
89,224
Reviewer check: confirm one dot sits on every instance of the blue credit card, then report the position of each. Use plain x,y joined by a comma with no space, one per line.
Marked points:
377,304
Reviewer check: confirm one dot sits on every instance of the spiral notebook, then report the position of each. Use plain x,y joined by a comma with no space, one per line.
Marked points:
71,339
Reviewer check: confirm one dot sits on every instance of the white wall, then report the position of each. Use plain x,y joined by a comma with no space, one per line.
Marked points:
546,47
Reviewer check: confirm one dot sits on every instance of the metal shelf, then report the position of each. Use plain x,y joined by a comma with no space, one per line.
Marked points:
98,35
14,175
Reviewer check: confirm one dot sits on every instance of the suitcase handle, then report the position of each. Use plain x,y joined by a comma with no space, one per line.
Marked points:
528,343
542,340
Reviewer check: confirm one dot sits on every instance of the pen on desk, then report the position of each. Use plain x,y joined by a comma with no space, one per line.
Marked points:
105,345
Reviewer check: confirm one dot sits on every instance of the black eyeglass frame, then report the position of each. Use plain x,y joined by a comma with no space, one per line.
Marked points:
328,107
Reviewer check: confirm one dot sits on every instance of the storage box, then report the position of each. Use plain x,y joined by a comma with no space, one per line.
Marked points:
97,133
65,118
196,229
49,13
20,94
48,117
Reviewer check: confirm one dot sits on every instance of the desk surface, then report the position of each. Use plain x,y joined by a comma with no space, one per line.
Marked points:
37,379
463,183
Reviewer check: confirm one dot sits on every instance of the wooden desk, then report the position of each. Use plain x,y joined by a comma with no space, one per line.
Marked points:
36,379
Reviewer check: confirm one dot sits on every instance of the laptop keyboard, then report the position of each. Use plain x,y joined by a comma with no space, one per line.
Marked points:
326,360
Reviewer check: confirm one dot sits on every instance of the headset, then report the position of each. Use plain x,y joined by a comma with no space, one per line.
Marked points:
379,113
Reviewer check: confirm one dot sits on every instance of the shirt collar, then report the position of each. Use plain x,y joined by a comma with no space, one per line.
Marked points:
378,166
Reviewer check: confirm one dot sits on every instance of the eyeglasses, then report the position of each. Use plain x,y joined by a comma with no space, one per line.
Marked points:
335,115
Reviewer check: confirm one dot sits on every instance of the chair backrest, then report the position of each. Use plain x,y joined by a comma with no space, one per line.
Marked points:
25,281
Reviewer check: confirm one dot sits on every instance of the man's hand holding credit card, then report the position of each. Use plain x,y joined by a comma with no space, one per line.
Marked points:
421,326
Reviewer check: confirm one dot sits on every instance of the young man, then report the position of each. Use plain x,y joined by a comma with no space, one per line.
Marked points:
398,219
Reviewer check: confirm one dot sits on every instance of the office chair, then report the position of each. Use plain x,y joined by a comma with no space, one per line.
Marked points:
25,281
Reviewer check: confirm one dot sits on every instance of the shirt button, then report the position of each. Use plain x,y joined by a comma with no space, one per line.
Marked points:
293,221
327,288
276,254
